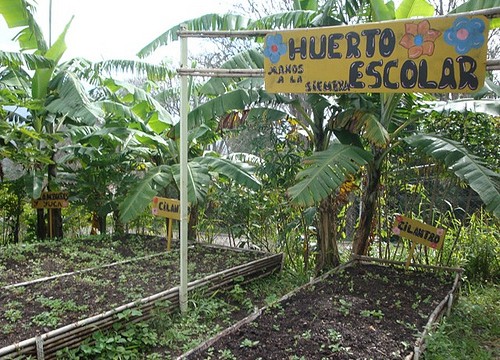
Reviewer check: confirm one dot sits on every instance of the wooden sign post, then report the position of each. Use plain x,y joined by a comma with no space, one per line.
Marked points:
419,233
51,200
167,208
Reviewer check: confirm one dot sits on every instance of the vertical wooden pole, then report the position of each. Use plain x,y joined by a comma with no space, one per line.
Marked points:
183,150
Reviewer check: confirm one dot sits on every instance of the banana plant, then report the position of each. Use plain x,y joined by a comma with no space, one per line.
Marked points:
55,96
338,144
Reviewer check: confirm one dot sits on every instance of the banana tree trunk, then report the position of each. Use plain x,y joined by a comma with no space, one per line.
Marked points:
55,218
328,253
369,198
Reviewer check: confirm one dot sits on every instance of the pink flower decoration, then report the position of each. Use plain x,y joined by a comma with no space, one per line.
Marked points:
396,230
155,211
440,232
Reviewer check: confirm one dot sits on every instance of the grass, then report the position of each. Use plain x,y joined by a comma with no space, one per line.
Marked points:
472,331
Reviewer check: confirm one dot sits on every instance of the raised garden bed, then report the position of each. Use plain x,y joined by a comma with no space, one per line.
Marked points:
362,310
42,317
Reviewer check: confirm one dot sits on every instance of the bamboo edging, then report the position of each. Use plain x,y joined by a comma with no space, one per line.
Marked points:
46,345
420,343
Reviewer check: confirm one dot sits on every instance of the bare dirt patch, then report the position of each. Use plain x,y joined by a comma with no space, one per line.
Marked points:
363,312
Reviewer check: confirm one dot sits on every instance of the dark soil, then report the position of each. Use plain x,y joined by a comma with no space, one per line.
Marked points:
363,312
29,310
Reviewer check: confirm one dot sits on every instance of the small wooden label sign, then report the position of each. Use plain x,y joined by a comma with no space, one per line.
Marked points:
51,200
419,232
168,208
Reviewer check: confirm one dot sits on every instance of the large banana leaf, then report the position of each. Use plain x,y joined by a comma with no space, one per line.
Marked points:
19,13
234,100
42,76
236,171
206,22
491,107
473,5
413,8
198,180
250,59
466,166
140,196
326,171
72,100
365,123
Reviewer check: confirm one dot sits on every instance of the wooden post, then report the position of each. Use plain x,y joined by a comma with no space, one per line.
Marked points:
169,233
410,255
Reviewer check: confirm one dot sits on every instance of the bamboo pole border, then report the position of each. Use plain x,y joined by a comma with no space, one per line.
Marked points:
420,343
74,334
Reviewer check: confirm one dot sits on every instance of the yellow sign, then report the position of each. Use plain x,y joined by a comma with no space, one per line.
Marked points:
446,54
168,208
51,200
419,232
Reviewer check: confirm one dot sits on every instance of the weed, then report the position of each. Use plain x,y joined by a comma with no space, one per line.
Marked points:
247,343
372,313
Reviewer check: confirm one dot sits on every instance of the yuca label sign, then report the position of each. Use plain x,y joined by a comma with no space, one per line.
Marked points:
51,200
419,232
445,54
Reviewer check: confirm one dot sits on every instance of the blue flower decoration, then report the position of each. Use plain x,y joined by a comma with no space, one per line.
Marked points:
465,34
274,47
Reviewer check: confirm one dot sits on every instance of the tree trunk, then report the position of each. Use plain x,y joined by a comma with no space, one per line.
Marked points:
368,209
328,253
41,231
193,222
119,226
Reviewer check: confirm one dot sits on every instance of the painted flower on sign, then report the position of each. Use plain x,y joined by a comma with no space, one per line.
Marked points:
465,34
274,47
419,39
440,232
396,230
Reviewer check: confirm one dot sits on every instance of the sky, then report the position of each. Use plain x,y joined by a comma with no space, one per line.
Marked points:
114,29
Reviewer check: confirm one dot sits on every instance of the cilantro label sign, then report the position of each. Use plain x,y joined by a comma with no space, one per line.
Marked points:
164,207
419,232
446,54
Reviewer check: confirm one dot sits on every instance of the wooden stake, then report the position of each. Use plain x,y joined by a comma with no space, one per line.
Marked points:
410,255
169,233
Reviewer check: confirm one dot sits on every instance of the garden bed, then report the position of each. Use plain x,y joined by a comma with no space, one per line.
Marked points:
25,262
360,311
77,304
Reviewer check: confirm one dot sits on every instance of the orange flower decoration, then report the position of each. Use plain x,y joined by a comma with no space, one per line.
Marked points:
419,39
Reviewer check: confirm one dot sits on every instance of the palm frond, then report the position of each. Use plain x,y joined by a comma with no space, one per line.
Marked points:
326,171
206,22
137,68
285,20
466,166
31,61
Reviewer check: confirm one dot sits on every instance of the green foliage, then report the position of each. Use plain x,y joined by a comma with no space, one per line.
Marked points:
122,342
472,329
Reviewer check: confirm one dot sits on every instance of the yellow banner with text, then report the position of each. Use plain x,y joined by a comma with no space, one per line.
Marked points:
442,54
